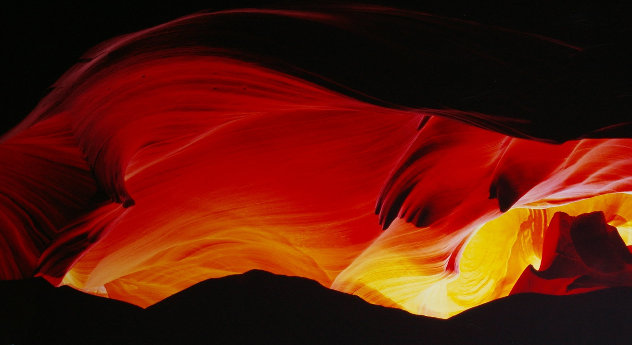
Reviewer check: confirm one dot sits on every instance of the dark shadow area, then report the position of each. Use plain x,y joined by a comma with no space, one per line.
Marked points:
562,68
258,307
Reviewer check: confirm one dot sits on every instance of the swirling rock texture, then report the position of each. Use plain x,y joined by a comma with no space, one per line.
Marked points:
415,160
579,254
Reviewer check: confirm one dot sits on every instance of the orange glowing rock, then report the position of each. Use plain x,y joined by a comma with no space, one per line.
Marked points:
147,172
580,254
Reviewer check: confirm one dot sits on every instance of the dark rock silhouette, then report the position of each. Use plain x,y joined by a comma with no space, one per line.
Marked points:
258,307
34,312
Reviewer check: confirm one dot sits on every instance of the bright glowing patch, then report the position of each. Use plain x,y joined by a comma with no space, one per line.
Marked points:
498,252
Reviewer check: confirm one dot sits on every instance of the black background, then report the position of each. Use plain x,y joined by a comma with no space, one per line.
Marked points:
41,40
